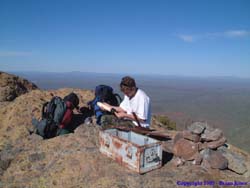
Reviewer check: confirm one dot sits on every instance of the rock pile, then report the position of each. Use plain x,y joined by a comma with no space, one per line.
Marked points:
206,146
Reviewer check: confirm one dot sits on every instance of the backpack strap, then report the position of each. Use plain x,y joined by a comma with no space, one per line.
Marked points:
44,110
51,106
48,110
118,97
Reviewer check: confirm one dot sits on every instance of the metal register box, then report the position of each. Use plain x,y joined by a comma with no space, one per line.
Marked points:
134,151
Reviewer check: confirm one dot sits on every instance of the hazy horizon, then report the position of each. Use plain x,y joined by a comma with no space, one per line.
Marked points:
26,72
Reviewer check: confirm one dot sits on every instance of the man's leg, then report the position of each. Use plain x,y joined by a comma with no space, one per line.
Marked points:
111,120
108,121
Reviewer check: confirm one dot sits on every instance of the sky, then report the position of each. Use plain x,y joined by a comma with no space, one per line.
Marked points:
165,37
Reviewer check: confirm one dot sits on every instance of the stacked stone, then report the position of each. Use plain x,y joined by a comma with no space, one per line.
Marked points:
206,146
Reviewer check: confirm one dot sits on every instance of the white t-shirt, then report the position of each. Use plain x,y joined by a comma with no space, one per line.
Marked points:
140,105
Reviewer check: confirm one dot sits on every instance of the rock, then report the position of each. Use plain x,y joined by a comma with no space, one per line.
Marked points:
211,135
215,159
168,146
205,153
223,148
35,138
205,164
235,161
4,164
6,156
218,161
185,149
12,86
197,159
201,146
36,157
189,136
197,127
214,144
177,137
208,127
178,162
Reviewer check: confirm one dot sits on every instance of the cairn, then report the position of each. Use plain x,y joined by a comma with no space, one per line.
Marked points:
206,146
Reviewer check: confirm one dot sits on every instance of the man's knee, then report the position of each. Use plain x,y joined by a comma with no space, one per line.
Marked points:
108,120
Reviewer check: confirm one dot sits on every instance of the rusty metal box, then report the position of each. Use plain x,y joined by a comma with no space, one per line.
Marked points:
135,151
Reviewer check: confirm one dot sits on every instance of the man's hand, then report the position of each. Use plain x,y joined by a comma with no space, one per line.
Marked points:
104,106
121,114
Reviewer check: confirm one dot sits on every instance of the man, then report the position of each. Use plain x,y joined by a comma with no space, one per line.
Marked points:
135,105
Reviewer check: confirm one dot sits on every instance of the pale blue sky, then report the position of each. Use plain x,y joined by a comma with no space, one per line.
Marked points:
170,37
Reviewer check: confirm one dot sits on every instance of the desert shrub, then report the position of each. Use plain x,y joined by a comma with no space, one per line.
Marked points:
165,122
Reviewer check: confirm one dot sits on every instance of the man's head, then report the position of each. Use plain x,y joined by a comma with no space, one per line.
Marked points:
128,86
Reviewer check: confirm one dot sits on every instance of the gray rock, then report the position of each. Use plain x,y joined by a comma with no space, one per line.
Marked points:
208,127
223,148
197,127
211,135
205,153
215,159
218,161
205,164
235,161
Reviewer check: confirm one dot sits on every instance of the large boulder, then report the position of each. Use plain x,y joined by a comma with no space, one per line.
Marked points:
215,159
236,161
185,149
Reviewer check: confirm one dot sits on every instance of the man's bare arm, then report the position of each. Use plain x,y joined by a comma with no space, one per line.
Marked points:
117,108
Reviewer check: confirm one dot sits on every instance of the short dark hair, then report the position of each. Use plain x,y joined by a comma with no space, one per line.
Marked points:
128,82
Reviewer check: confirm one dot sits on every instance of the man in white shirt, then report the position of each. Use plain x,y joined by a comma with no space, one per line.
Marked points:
135,105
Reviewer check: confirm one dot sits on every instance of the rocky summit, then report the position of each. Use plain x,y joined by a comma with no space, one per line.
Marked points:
196,156
12,86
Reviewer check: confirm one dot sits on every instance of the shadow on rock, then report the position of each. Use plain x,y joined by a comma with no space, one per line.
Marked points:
77,120
166,157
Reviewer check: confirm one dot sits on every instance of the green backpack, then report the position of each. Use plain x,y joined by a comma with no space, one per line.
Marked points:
53,113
